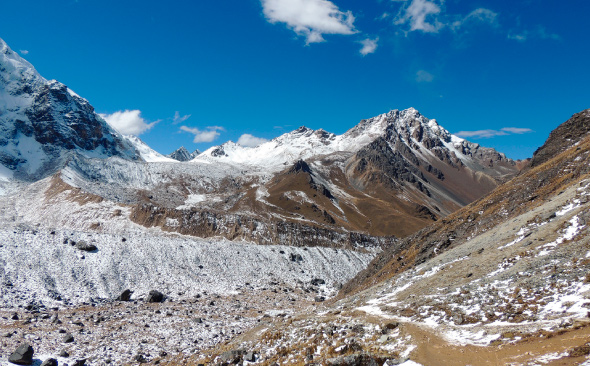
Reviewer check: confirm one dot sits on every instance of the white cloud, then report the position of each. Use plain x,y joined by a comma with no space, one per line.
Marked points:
248,140
24,52
309,18
493,133
423,76
421,14
128,122
209,134
369,46
179,119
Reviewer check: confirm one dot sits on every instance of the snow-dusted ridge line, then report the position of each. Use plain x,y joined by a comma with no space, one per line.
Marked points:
305,143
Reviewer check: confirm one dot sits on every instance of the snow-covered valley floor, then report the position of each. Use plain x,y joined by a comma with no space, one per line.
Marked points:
215,289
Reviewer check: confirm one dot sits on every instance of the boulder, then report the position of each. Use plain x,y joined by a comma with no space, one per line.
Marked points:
296,257
140,358
250,357
87,247
155,296
80,362
64,354
125,295
23,355
232,357
68,338
317,282
49,362
55,319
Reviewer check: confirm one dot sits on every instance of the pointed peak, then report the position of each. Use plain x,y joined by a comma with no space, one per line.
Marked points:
300,166
302,129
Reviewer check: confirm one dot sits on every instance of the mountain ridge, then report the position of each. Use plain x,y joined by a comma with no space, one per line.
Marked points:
43,122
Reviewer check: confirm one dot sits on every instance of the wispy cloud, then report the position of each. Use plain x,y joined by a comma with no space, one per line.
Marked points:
128,122
24,52
423,76
309,18
369,46
179,119
493,133
210,133
248,140
538,33
430,17
477,16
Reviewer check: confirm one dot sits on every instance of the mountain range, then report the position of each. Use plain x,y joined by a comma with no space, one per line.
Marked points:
393,243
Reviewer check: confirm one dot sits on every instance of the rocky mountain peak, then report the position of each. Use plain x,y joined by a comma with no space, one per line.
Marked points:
182,154
43,122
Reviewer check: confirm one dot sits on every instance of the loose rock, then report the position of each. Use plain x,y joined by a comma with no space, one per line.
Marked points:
155,296
125,295
68,338
49,362
23,355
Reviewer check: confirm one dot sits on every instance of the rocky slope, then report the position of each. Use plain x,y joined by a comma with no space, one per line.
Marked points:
502,281
390,175
42,123
563,137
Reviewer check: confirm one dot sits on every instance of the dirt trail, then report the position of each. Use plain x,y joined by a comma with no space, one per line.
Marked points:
432,350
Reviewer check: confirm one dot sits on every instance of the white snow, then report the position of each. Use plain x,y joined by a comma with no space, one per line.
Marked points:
570,232
146,152
146,261
5,173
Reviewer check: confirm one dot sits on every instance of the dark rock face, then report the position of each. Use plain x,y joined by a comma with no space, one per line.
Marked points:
47,113
23,355
182,154
300,166
563,137
155,296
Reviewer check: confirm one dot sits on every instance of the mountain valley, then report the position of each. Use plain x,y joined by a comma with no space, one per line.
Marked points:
395,243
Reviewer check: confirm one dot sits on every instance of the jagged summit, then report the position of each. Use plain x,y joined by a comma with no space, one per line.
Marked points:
182,154
43,122
406,127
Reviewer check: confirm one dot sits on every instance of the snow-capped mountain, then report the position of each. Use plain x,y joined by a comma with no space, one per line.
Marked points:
408,127
396,167
43,122
389,175
182,154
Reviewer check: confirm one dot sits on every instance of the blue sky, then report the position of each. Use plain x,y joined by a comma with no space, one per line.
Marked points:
198,73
